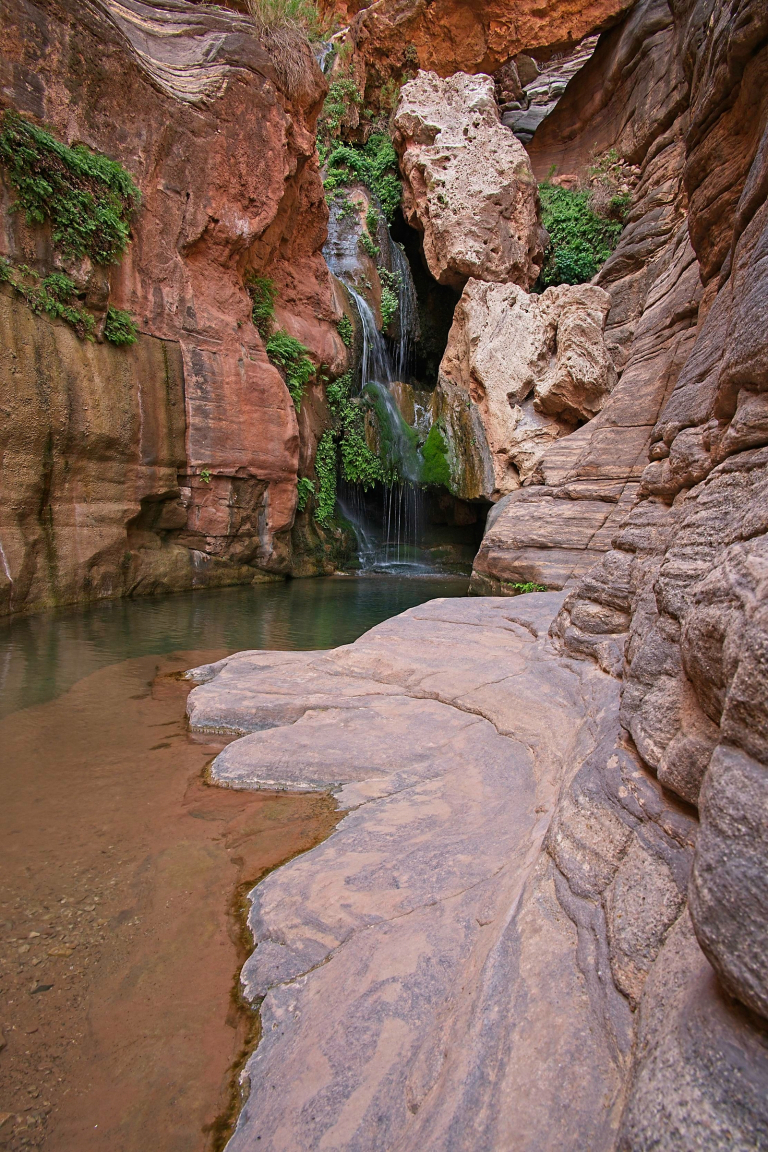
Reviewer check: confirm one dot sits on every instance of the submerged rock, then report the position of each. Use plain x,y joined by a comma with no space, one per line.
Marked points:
468,184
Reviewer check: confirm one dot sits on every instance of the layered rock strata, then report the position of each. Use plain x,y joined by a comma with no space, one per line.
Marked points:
519,371
190,102
493,948
554,530
692,551
468,185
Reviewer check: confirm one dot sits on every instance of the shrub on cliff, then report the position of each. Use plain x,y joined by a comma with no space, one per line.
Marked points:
580,241
285,27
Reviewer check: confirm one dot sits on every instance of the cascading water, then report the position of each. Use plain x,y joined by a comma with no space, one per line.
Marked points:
394,541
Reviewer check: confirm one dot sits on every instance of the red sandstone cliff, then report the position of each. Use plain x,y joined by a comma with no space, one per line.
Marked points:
189,102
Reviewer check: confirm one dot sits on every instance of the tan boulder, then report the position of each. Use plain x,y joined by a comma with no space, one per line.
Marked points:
468,184
531,367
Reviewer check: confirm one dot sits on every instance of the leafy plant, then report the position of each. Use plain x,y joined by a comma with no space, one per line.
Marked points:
346,331
389,306
325,470
580,241
374,164
55,295
343,96
205,475
391,282
306,488
87,197
263,293
119,327
522,589
290,355
368,246
436,469
372,221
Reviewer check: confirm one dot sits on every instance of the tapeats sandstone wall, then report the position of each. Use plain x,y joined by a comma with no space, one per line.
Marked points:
187,99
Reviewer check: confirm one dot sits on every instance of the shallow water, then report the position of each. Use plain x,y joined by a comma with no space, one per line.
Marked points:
123,870
42,656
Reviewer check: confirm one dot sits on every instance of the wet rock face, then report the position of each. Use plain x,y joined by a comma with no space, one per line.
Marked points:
523,370
468,185
189,102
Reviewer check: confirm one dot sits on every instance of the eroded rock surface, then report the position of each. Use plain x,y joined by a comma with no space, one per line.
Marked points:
468,185
519,371
493,948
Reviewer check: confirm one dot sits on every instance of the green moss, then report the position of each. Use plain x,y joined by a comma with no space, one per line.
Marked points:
435,453
119,327
346,331
87,197
580,241
263,293
325,469
305,489
290,355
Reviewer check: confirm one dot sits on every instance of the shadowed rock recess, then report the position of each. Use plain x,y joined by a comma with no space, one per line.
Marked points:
543,922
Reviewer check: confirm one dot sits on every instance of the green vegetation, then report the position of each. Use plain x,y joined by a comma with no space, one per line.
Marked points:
343,96
522,589
436,469
55,295
205,475
325,469
300,14
369,247
372,221
373,164
87,197
290,355
306,488
262,292
346,331
390,287
580,241
119,327
359,465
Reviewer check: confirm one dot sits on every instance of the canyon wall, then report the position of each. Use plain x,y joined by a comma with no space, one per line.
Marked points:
189,101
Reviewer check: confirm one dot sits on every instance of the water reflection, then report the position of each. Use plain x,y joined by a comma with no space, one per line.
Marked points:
43,656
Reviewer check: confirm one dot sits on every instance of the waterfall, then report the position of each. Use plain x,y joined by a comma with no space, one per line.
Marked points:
408,308
376,363
390,539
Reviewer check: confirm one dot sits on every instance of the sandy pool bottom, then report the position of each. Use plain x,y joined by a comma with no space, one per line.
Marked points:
122,875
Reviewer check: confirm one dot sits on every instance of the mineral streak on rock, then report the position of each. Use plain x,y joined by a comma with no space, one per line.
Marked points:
468,185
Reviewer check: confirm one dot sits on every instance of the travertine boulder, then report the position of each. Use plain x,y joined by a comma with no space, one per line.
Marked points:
522,370
468,185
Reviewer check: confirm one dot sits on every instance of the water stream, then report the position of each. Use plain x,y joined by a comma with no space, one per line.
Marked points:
123,870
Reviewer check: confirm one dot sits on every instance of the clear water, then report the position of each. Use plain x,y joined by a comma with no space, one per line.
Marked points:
43,656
